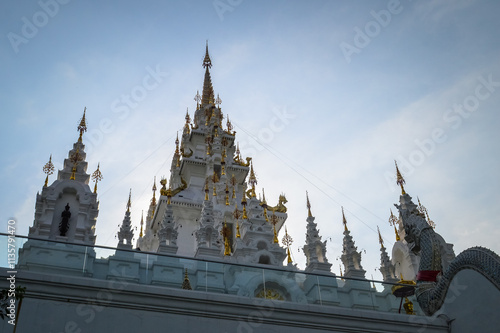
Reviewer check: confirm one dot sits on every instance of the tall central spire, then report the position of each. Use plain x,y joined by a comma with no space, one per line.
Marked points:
207,96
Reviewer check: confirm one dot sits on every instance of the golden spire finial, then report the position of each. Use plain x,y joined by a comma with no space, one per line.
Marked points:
169,193
142,223
274,220
308,204
381,241
236,212
344,220
207,95
233,183
238,229
215,179
48,169
264,205
206,189
206,61
82,127
129,202
287,240
177,154
186,285
188,121
223,163
96,177
225,234
393,221
421,208
75,158
400,180
252,180
153,201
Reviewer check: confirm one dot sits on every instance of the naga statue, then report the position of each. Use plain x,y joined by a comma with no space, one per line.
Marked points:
432,283
280,208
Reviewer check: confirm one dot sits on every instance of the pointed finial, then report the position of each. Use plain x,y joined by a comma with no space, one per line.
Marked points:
197,98
263,204
48,169
142,223
96,177
380,240
75,158
206,61
218,101
236,212
393,221
400,180
344,220
252,180
233,183
238,235
82,127
308,204
229,126
186,285
129,202
421,208
206,189
225,235
153,201
287,241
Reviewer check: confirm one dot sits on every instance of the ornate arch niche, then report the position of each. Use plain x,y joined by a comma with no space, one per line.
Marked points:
273,291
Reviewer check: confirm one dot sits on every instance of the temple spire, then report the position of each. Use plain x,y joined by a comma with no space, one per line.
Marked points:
386,267
351,257
207,95
314,249
125,234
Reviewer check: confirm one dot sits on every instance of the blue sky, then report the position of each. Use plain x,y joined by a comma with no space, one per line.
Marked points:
350,114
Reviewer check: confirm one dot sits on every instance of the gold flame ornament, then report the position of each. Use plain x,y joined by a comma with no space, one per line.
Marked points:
96,177
48,169
393,220
287,241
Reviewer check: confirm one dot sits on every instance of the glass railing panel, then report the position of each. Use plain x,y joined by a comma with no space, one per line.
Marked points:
259,282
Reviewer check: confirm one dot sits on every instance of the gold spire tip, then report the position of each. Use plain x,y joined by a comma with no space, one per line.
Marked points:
399,179
343,219
129,202
381,241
